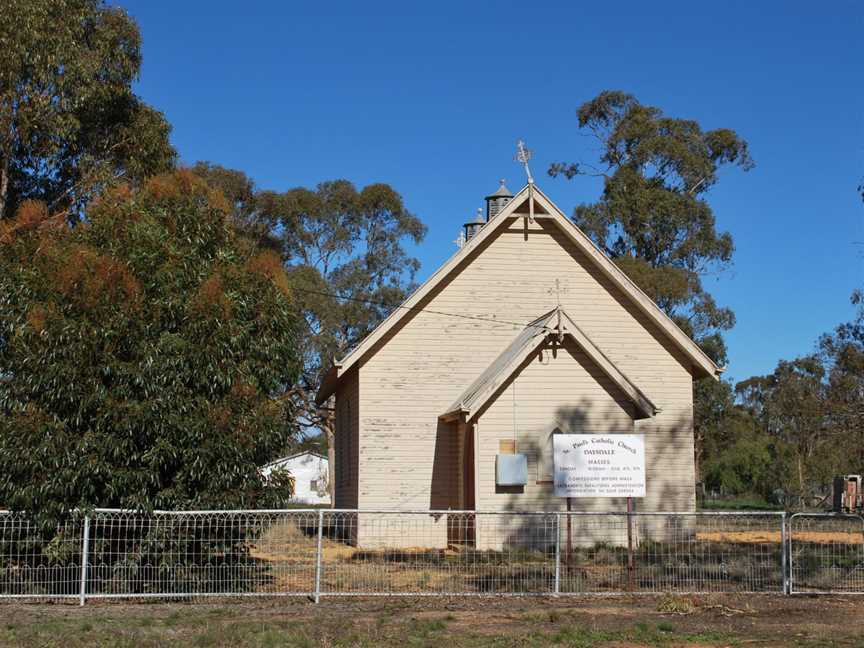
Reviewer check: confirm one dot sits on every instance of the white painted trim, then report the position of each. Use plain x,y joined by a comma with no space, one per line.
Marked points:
475,430
636,396
293,456
701,362
620,278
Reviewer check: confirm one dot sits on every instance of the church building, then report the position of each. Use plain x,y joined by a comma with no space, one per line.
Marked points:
527,331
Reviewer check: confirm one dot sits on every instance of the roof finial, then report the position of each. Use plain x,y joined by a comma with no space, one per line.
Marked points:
523,154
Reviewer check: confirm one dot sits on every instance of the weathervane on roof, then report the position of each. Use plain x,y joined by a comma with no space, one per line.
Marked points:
523,154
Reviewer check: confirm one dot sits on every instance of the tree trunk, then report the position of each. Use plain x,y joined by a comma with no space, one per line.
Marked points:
4,186
801,501
328,421
697,457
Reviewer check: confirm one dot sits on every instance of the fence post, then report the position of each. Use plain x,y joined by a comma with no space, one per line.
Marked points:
557,554
630,566
784,564
85,549
318,556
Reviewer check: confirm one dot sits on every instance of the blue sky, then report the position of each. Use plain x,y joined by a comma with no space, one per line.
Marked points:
432,97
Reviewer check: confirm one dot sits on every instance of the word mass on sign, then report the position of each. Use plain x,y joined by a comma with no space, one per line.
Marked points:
590,465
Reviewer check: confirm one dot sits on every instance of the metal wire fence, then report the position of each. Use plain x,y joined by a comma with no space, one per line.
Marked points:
40,562
660,552
171,554
826,553
318,553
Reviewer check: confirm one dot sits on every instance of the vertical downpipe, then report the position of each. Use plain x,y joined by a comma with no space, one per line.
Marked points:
318,556
85,549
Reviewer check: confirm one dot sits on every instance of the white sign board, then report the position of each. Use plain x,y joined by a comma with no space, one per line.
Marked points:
597,465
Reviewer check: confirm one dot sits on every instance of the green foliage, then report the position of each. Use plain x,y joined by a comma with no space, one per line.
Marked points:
736,456
808,413
344,253
791,408
654,222
145,355
315,442
652,218
340,240
744,467
784,436
842,354
69,121
240,192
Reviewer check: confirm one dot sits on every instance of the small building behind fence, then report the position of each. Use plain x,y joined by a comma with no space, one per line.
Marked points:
311,475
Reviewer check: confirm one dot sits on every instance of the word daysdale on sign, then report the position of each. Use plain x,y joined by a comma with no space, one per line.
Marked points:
590,465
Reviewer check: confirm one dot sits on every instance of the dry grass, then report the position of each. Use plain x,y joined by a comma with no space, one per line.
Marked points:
672,622
773,537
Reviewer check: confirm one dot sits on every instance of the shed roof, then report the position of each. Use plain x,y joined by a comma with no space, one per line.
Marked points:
532,337
294,456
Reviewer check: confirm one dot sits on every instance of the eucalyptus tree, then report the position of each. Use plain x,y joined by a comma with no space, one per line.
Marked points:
653,218
345,254
145,354
842,354
793,409
69,121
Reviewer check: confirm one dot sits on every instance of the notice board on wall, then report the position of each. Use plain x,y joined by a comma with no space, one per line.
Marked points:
599,465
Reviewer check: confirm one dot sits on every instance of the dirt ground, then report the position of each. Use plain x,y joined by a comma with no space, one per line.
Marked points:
619,622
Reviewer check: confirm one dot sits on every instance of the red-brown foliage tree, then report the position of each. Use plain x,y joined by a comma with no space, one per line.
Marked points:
145,355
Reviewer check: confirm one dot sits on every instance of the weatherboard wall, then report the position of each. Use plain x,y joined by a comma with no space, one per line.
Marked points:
408,459
346,471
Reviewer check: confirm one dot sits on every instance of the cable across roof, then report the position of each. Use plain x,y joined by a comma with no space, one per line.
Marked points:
534,337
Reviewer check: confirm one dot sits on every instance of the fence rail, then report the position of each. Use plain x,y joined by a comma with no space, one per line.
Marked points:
826,553
318,553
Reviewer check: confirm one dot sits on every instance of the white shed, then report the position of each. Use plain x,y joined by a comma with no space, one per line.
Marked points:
311,474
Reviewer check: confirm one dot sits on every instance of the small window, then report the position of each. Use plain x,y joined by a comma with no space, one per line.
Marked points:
545,462
313,485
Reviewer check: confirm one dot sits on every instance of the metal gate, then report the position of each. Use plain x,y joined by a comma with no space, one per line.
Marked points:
826,553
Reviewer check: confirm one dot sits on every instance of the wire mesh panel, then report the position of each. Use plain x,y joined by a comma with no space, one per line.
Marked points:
826,553
376,553
342,553
663,552
39,561
169,554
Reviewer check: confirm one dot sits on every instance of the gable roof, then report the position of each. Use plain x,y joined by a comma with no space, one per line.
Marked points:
293,456
529,198
532,337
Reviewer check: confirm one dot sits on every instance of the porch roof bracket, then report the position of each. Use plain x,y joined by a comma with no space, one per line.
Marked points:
475,397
